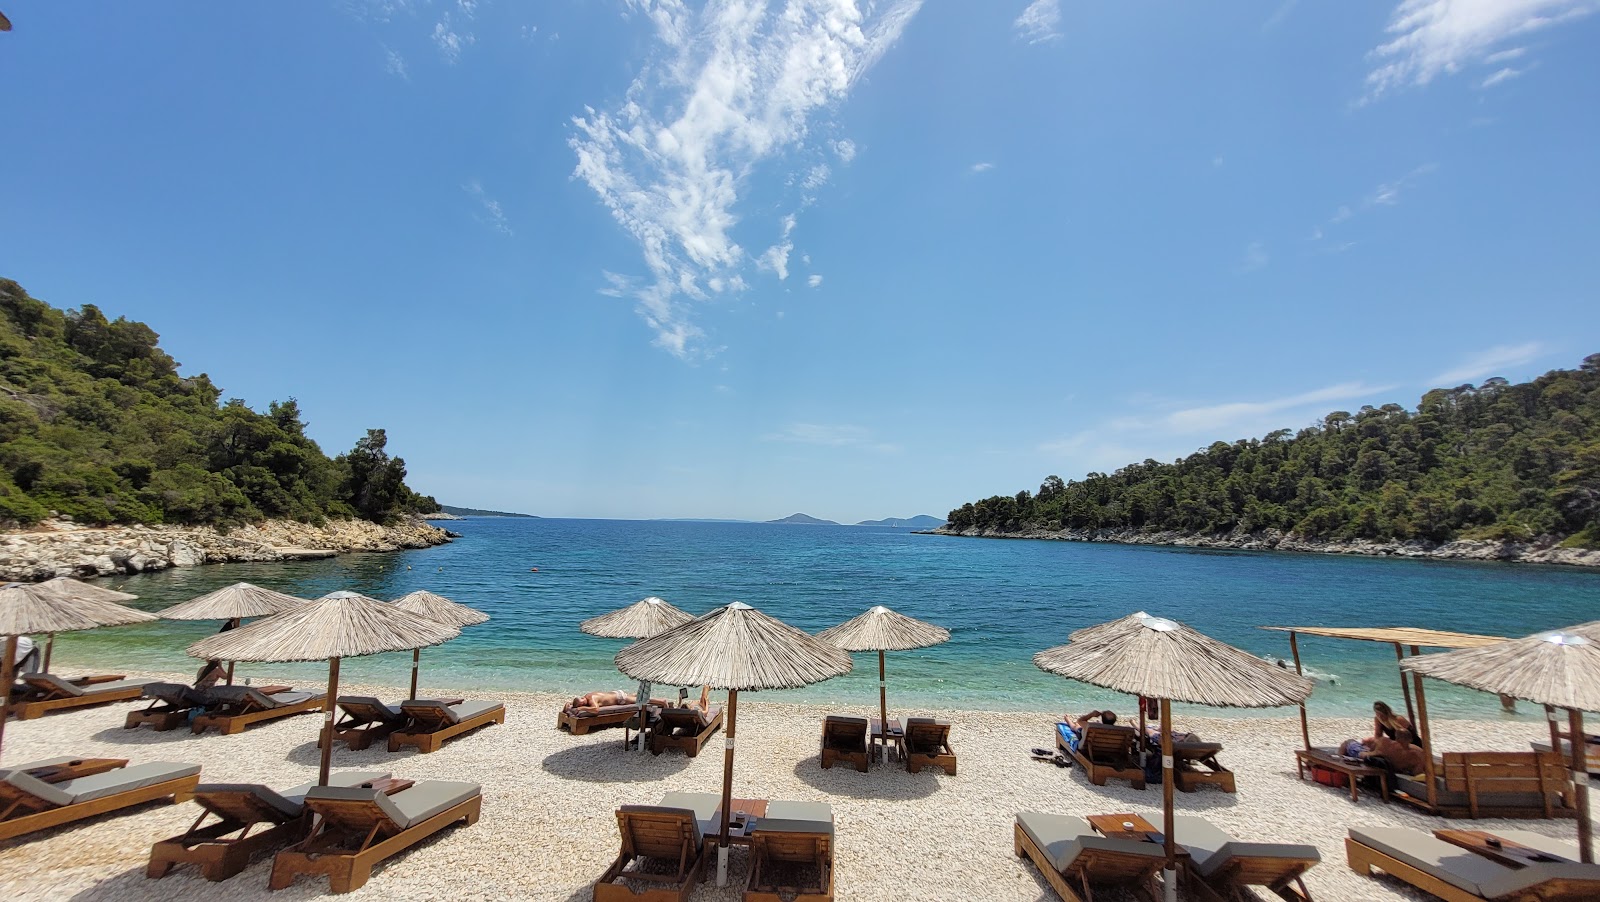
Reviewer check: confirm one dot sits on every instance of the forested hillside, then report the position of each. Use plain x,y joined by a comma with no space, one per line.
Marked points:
1494,461
96,423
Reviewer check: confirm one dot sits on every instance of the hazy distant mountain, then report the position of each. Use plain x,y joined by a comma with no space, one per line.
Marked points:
699,520
920,521
474,512
804,520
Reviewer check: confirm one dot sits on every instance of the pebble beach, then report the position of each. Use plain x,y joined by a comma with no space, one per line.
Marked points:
548,829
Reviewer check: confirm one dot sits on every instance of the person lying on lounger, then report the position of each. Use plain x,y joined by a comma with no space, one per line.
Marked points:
592,702
1105,717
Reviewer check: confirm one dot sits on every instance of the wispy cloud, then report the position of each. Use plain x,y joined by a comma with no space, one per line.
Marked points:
395,64
1499,76
1491,362
1038,23
1215,417
814,280
491,215
1387,194
1429,38
1279,15
450,40
733,87
982,167
834,436
1255,257
845,148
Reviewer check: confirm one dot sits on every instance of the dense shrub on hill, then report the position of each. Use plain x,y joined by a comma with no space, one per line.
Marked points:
97,423
1494,461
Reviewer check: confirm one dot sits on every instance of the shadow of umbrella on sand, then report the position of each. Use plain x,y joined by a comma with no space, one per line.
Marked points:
31,609
337,625
1160,658
881,630
440,610
233,604
734,648
1557,669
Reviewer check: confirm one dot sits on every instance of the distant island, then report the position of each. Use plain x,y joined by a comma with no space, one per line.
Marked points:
804,520
920,521
474,512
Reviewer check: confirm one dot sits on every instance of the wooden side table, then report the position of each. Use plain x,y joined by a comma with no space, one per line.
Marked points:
881,744
1501,851
1355,770
742,817
72,770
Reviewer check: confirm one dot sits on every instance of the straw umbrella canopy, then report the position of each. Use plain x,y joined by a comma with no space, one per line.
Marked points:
233,604
1160,658
68,587
440,610
644,618
33,609
1557,669
735,647
337,625
881,630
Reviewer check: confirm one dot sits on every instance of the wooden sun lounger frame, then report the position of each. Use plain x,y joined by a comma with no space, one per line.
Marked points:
669,830
568,722
1109,867
831,754
1284,877
358,732
161,714
1188,777
218,855
180,789
1363,858
349,869
1097,772
228,724
660,739
54,701
426,741
815,849
937,753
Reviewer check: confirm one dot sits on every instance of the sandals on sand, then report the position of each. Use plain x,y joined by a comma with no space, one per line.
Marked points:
1056,758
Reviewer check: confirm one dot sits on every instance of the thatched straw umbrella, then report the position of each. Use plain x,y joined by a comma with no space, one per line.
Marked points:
1557,669
644,618
1160,658
67,587
337,625
31,609
233,604
734,647
440,610
881,630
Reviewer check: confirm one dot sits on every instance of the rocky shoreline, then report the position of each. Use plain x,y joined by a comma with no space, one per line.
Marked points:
1544,551
63,548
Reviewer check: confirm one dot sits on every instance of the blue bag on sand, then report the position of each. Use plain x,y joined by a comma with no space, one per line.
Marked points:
1069,736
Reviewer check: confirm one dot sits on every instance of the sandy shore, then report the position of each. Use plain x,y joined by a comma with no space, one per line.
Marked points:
548,828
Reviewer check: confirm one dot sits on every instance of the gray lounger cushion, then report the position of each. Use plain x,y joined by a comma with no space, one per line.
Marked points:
1454,865
137,776
453,714
407,807
39,789
1063,838
703,804
1203,839
1516,881
32,765
699,828
242,694
291,801
796,817
76,691
176,694
364,705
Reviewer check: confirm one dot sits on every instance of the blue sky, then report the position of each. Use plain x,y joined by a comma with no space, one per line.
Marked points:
742,259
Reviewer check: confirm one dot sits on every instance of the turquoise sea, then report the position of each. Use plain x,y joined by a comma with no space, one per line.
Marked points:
1001,600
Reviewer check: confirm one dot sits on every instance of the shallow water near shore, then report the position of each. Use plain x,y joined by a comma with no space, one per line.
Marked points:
1002,601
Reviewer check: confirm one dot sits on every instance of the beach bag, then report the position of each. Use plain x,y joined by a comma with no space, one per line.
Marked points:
1327,776
1152,769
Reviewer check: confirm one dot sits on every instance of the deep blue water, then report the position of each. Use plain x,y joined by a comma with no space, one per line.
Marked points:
1001,600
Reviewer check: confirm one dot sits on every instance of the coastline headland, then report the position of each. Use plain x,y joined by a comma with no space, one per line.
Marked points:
63,548
1534,552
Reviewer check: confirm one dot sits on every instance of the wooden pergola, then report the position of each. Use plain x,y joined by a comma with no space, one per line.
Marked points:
1403,638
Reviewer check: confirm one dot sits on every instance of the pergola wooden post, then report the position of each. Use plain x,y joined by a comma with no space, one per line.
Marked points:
1305,726
1425,733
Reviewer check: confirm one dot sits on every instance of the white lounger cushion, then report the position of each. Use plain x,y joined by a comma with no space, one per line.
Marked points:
796,817
1063,838
703,804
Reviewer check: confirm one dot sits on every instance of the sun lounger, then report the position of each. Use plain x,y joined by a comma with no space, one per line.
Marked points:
928,745
1106,752
363,719
237,707
28,803
665,847
359,827
1072,857
432,722
1460,875
844,739
48,692
583,721
791,854
1591,750
1188,759
239,808
169,707
1492,784
1229,866
686,729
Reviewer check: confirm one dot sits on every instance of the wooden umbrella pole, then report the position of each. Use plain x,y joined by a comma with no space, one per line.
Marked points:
328,704
49,649
1551,716
883,702
232,624
727,788
1305,726
416,661
1426,733
1411,713
7,677
1143,732
1580,785
1170,873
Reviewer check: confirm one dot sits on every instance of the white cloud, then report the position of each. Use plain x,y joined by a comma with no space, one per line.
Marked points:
1217,417
1038,22
1504,56
1501,75
829,436
814,280
1279,15
492,216
845,148
733,86
806,259
395,64
982,167
1255,257
449,41
1429,38
1490,363
1385,195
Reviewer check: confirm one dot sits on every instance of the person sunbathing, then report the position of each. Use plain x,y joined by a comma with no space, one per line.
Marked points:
1107,717
592,702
